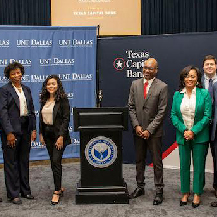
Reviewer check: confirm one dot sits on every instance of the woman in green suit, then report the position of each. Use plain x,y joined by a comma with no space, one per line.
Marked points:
191,114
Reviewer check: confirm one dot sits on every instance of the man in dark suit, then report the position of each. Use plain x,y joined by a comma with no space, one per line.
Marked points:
18,124
147,103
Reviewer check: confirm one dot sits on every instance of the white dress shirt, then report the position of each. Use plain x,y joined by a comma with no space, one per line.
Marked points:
187,108
22,99
206,80
149,84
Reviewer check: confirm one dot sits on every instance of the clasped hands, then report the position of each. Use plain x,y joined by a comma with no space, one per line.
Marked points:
188,135
142,133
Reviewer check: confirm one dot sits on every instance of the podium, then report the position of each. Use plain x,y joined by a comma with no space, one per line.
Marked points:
101,155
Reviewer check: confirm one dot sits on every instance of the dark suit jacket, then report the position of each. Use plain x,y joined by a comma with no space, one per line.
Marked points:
61,118
10,109
148,113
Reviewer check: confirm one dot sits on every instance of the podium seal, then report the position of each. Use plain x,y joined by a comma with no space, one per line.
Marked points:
101,152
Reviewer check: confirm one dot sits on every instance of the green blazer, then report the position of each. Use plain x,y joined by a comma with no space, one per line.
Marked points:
202,116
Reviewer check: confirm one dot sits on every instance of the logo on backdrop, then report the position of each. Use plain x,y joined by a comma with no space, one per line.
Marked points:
119,64
24,62
75,43
34,43
132,63
4,43
56,62
101,152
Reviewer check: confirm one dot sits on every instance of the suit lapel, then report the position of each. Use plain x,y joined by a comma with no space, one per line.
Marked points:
198,98
55,109
151,89
14,94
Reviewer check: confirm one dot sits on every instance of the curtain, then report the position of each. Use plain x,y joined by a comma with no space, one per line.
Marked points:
25,12
177,16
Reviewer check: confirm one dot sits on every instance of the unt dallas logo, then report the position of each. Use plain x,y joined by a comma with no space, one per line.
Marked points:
101,152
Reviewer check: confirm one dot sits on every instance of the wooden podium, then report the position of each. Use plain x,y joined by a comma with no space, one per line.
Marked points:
101,155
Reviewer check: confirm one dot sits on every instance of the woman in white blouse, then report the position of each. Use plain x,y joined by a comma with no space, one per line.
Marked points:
191,114
18,125
53,128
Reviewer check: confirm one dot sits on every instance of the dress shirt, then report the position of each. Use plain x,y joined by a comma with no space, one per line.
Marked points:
187,108
206,80
149,84
22,100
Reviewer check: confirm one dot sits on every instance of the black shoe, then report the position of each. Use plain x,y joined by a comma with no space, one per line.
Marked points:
0,199
60,194
215,192
214,204
15,200
137,192
195,205
183,203
158,199
28,196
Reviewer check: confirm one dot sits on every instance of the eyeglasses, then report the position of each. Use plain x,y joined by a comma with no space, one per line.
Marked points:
149,68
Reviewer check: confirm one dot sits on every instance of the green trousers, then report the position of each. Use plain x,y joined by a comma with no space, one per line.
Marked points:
199,152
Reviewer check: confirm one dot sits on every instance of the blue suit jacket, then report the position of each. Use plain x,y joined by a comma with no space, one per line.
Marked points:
10,109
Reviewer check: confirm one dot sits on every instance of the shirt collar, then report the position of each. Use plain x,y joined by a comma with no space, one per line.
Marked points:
185,91
207,78
149,81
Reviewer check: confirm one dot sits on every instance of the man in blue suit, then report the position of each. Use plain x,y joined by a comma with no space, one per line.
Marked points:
210,83
18,125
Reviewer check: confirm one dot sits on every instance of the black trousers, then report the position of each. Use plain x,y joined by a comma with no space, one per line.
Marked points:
55,156
16,162
155,147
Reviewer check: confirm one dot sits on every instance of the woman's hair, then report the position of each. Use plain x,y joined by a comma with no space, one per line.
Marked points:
184,73
59,94
12,66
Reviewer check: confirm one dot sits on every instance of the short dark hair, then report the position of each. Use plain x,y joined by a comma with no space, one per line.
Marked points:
209,57
12,66
184,73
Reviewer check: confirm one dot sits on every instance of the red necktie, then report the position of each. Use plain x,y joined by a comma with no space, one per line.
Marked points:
145,89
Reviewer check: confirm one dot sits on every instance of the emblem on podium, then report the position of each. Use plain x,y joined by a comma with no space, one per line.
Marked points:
101,152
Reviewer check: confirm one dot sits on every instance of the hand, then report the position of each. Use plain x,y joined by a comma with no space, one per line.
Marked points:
59,143
33,135
139,130
11,139
41,139
189,135
145,134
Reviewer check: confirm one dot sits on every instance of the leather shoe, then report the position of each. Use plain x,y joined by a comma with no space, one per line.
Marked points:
214,204
195,205
28,196
183,203
158,199
15,200
137,192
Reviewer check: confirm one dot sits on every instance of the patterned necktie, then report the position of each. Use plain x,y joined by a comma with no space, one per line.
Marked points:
210,88
145,89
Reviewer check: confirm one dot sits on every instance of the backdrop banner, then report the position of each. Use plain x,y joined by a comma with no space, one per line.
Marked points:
121,60
69,52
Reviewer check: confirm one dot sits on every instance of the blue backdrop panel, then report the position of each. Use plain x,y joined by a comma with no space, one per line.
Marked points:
69,52
121,61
